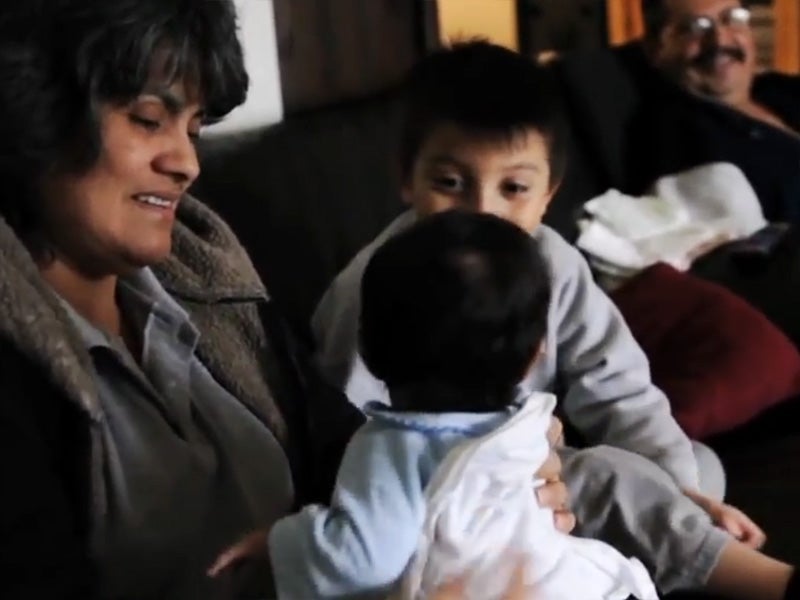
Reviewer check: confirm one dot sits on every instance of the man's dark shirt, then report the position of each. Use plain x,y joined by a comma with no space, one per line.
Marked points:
676,130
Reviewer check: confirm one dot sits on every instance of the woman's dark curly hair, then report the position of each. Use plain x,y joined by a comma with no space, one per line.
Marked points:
61,59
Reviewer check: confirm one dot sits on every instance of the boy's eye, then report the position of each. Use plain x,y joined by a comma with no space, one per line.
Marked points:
450,183
514,187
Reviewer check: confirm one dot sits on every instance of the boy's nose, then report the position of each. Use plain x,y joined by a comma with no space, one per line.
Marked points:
483,201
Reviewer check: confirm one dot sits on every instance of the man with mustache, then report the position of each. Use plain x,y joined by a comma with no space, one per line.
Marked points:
720,109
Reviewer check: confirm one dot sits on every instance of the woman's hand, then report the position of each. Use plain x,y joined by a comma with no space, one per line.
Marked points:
553,494
251,546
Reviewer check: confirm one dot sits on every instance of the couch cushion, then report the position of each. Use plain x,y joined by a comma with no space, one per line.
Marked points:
720,361
603,92
771,283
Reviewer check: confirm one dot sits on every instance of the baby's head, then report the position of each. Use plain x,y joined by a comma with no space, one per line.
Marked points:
483,131
456,304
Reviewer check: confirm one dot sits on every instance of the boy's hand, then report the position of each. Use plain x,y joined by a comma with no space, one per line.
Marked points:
254,544
553,494
731,519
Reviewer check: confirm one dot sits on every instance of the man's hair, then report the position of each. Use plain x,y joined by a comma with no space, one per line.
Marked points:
459,300
487,90
656,16
61,59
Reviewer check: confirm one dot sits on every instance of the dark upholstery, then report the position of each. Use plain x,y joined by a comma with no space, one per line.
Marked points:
304,196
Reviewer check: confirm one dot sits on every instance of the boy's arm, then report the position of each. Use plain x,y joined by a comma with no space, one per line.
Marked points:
610,396
363,542
334,325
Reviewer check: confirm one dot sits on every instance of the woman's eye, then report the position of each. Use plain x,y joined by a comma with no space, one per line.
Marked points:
149,124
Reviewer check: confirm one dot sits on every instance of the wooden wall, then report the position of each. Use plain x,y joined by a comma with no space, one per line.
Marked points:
335,50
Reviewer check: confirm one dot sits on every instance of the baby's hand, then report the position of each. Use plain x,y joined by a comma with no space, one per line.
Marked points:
254,544
731,519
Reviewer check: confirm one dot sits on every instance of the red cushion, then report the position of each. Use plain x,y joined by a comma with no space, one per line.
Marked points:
719,360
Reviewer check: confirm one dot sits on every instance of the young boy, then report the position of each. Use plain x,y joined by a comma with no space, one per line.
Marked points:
483,132
454,313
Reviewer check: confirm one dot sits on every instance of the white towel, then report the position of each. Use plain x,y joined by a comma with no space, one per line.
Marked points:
683,216
482,518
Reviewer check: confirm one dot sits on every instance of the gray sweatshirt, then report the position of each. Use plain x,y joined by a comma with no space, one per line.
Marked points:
608,394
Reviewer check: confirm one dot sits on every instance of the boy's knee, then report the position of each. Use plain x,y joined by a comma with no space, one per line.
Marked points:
607,465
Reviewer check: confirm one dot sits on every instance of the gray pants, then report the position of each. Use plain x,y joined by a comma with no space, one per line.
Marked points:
631,503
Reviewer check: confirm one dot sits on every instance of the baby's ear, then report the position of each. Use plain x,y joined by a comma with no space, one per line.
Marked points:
554,187
405,194
537,355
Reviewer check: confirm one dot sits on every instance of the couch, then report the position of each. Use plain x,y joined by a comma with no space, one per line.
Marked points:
306,194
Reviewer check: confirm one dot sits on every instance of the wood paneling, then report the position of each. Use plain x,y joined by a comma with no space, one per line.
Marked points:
335,50
625,21
561,25
787,35
495,20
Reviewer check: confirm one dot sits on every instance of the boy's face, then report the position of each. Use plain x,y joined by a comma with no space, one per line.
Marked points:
459,169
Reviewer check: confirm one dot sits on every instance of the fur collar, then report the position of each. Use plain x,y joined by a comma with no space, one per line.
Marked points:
207,266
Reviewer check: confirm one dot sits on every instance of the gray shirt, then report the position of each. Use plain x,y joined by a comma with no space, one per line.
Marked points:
189,468
608,394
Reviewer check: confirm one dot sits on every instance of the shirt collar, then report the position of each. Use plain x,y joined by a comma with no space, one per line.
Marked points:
141,295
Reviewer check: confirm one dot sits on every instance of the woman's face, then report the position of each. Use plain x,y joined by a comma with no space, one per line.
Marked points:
119,214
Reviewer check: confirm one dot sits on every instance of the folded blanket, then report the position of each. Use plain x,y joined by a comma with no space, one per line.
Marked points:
482,519
683,217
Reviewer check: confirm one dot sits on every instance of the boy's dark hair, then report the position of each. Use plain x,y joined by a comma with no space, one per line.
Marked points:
459,301
485,89
60,59
656,15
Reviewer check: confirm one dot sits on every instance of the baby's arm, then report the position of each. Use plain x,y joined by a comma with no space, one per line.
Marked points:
610,397
367,536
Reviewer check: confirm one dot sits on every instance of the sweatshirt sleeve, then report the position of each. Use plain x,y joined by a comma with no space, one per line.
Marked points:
334,326
610,397
364,540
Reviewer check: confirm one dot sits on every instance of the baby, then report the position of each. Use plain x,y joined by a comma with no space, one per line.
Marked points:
454,314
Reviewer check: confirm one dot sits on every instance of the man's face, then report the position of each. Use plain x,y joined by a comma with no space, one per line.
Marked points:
707,47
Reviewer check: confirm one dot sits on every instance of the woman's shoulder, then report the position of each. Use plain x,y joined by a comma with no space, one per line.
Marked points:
207,263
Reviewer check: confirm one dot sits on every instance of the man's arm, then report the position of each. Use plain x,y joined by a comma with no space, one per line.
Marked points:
610,397
363,542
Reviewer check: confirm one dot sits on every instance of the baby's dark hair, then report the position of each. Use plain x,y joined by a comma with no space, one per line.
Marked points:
485,89
459,301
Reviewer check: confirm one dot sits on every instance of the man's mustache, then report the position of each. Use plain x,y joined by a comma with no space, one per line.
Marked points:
707,57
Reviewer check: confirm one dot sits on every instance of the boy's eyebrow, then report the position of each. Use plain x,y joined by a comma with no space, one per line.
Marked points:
524,165
443,158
